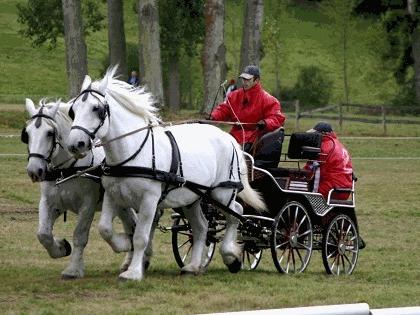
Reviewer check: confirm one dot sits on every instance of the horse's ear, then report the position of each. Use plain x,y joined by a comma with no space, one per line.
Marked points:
103,84
86,82
30,107
54,108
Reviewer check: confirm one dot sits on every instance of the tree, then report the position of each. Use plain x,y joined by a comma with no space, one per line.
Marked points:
272,35
116,36
149,38
76,54
213,54
46,21
412,8
179,39
343,24
251,47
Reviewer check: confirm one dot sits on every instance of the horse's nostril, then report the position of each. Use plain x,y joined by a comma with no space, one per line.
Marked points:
81,144
40,171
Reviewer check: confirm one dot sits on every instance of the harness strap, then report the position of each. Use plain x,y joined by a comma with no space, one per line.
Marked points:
144,172
175,164
55,174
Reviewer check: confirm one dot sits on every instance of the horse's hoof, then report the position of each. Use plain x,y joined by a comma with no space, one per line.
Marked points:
235,266
67,247
186,273
69,277
130,275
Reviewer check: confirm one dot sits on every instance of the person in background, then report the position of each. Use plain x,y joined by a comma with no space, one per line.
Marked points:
253,105
133,79
336,169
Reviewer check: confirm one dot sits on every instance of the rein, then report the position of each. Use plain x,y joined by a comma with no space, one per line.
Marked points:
168,124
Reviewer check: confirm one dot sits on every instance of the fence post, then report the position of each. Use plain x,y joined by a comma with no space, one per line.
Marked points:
297,114
383,119
340,114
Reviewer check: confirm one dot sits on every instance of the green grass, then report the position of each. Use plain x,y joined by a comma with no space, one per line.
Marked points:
387,274
305,36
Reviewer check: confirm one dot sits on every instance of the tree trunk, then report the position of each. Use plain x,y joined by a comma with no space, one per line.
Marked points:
173,97
116,38
251,34
149,33
213,54
412,10
76,55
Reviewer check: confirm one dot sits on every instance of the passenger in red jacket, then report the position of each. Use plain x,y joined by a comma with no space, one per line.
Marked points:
250,104
335,163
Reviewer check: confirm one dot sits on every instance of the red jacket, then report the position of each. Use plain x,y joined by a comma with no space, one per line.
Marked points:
250,106
335,168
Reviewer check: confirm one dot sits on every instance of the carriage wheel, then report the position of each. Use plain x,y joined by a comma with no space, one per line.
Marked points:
182,241
340,246
251,259
291,239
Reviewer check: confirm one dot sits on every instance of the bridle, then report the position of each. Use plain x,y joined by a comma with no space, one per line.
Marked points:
103,112
25,137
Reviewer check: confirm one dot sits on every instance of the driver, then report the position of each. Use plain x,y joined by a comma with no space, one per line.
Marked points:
250,104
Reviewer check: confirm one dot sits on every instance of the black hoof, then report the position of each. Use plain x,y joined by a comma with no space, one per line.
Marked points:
67,247
146,265
68,277
185,273
235,266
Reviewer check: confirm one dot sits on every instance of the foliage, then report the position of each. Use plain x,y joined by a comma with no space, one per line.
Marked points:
42,21
313,87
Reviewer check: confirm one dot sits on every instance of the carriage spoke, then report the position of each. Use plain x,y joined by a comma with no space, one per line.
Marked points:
293,260
301,221
183,244
304,233
307,247
280,245
186,255
300,256
332,254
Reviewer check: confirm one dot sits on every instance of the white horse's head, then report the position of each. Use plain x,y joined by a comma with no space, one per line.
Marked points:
42,136
91,109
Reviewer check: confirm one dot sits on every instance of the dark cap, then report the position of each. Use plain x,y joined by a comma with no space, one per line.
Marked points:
322,127
250,72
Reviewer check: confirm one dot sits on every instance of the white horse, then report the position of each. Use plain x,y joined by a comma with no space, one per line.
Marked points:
45,133
141,171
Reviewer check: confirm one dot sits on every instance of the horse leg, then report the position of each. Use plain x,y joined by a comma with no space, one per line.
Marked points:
128,220
199,227
145,215
56,248
149,249
230,250
119,242
76,268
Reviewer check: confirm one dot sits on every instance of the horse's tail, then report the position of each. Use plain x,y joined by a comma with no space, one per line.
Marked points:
249,195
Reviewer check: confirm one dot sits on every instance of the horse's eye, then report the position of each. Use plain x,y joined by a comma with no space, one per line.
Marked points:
95,109
50,133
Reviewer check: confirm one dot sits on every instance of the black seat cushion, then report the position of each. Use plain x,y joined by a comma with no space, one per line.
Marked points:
268,149
300,140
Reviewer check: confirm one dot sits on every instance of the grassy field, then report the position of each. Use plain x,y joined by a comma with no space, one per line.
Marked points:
305,35
387,274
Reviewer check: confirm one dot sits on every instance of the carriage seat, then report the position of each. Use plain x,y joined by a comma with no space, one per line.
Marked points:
268,148
302,146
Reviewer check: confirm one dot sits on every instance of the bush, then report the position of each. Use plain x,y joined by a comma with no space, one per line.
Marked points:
313,87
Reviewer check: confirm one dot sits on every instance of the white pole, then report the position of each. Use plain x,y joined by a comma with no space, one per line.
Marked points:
344,309
397,311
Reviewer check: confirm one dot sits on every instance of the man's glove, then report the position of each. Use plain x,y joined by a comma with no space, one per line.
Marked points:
261,125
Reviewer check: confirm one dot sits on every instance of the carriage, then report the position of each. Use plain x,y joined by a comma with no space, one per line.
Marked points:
151,166
297,222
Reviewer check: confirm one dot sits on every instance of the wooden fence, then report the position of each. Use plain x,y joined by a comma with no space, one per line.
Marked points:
379,114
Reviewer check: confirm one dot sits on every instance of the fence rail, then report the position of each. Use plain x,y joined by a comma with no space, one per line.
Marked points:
379,110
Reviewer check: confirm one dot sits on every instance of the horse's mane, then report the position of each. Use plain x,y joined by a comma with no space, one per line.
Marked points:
137,100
